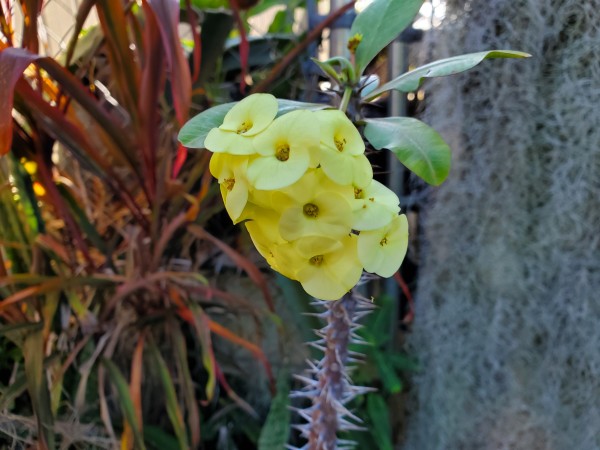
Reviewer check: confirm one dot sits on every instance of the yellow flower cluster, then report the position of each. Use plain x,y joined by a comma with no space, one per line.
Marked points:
305,191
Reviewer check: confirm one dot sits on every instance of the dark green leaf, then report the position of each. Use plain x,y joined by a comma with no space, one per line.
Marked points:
125,400
418,146
208,4
20,327
173,409
388,375
274,434
379,24
380,421
37,385
159,440
193,133
410,81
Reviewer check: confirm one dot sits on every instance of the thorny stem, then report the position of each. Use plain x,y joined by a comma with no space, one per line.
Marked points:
331,380
330,387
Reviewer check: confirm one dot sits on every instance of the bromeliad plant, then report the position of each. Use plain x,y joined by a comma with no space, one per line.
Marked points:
105,253
296,175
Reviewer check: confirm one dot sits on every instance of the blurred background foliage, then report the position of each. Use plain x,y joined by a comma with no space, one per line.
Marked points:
132,313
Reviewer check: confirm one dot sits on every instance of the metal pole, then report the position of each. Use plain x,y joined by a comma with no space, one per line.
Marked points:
397,61
339,36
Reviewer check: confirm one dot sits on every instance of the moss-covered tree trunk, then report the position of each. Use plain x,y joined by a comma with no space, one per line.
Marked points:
508,313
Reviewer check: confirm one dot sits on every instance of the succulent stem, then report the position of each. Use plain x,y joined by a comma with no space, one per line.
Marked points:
329,387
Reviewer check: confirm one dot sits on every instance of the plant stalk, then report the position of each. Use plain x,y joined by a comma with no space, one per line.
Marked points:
329,388
346,99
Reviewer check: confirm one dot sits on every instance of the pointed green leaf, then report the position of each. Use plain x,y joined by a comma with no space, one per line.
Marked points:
159,439
380,421
274,434
379,24
20,327
125,400
418,146
410,81
173,409
389,377
37,385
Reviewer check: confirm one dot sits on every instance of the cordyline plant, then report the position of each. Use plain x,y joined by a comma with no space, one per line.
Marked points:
102,236
296,176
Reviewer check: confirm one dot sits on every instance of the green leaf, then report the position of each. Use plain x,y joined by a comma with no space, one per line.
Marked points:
274,434
380,421
193,133
127,407
207,4
21,327
159,440
173,410
12,391
418,146
37,385
389,377
410,81
286,106
380,23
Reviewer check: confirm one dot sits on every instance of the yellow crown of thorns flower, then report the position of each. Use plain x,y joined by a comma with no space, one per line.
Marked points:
305,191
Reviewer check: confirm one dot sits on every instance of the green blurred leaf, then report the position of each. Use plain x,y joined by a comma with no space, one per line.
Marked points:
418,146
380,422
208,4
410,81
274,434
401,361
21,327
187,385
388,375
14,390
37,385
281,22
380,23
195,130
125,400
173,409
159,440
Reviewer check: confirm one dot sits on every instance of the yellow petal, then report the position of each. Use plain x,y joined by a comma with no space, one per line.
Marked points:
339,133
220,141
285,148
346,169
328,276
251,115
327,214
268,173
381,251
374,206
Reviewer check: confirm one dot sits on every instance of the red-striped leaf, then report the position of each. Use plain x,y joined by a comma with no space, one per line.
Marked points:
13,61
167,11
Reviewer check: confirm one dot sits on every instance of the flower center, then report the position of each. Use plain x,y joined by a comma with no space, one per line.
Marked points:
339,144
358,193
229,183
383,241
311,210
244,127
283,152
316,260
